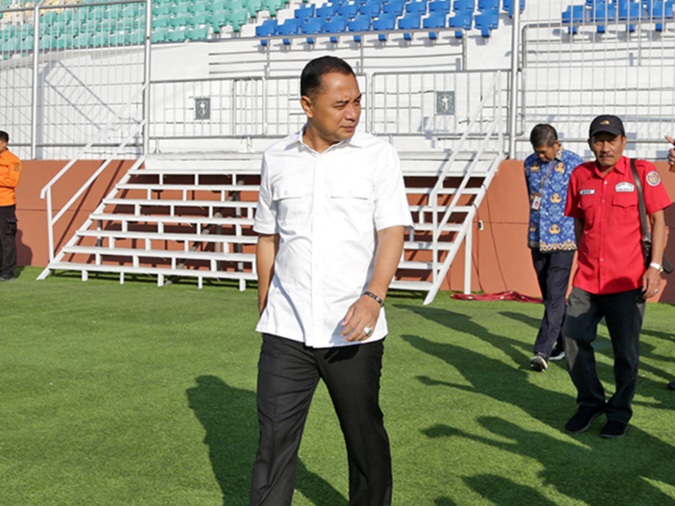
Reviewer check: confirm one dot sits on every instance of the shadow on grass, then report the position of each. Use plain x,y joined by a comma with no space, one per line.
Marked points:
588,472
228,415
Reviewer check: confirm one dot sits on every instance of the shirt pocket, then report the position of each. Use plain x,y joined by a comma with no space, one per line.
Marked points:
625,208
587,206
292,206
353,201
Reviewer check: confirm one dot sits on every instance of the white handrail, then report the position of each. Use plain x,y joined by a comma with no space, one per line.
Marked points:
47,190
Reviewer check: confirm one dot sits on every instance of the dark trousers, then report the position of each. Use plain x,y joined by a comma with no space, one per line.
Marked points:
553,274
623,314
288,373
7,240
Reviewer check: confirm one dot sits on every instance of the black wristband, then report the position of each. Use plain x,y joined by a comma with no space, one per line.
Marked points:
375,297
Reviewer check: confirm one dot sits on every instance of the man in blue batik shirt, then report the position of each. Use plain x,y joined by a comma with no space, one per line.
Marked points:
551,236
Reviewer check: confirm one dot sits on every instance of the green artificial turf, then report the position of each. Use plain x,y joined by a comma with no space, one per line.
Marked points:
138,395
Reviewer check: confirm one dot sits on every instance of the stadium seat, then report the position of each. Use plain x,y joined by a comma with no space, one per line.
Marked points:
394,7
462,20
464,5
484,5
359,24
440,6
304,12
272,6
487,21
196,33
384,22
659,11
435,20
267,28
288,27
602,13
337,24
630,11
371,9
417,7
159,35
310,26
326,11
348,10
508,6
410,21
238,18
572,15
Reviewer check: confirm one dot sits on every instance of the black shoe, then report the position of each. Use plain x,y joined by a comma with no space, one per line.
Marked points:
4,279
557,355
538,362
671,385
582,419
613,430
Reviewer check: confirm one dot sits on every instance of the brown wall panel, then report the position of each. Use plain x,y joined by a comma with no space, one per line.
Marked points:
501,260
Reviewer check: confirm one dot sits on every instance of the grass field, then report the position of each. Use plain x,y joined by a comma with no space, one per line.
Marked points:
139,395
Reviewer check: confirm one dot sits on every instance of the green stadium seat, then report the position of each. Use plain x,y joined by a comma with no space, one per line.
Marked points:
219,19
117,39
199,18
238,18
83,40
159,34
161,21
101,39
137,37
177,35
272,6
180,20
253,6
198,33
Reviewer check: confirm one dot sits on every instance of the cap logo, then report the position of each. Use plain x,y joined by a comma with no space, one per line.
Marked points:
606,122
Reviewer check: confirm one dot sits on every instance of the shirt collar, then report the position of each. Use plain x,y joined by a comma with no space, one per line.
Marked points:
296,140
559,154
621,167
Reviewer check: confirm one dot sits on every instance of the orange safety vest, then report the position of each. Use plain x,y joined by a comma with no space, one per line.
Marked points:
10,170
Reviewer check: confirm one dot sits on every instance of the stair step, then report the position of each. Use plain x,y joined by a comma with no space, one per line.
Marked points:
127,269
439,209
428,227
137,218
426,245
157,236
189,187
156,253
401,284
414,265
411,190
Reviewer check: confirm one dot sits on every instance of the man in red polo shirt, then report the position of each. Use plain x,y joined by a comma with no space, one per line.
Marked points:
611,280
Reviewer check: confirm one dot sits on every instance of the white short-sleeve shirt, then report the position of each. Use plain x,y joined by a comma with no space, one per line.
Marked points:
327,209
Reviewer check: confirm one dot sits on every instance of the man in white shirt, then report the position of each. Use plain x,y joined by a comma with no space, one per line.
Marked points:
331,214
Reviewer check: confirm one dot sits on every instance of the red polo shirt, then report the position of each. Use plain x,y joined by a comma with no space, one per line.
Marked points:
609,251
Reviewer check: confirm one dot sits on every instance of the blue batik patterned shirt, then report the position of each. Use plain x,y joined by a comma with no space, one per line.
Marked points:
550,229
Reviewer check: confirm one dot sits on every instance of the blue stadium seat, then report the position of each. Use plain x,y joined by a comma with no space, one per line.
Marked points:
440,6
371,9
630,11
573,15
337,24
348,10
602,13
464,5
394,7
417,7
311,26
359,24
267,28
659,11
326,11
435,20
508,6
384,22
462,20
288,27
484,5
411,21
487,21
304,12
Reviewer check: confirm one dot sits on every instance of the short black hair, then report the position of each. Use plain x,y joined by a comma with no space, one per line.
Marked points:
543,135
4,136
310,79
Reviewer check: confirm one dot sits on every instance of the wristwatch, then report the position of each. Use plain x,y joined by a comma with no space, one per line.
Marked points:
656,266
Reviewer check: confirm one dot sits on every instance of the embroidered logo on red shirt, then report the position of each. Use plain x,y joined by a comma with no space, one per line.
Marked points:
624,187
653,178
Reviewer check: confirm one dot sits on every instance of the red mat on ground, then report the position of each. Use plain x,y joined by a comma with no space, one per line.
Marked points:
508,295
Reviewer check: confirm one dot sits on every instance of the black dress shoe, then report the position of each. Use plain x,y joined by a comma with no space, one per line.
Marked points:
582,419
613,430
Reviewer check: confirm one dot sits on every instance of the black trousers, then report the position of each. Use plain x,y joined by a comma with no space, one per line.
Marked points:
7,240
623,314
288,373
553,274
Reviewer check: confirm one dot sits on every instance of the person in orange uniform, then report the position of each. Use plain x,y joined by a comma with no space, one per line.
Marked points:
613,278
10,171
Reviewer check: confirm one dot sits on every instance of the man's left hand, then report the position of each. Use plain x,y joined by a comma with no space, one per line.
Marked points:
651,281
360,320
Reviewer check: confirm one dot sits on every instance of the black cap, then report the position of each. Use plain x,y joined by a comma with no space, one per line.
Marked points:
606,123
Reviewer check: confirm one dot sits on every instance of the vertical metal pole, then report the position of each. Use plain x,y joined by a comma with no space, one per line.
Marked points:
513,102
35,84
146,77
468,256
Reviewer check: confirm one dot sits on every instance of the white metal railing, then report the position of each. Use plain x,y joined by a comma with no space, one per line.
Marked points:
46,192
495,129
